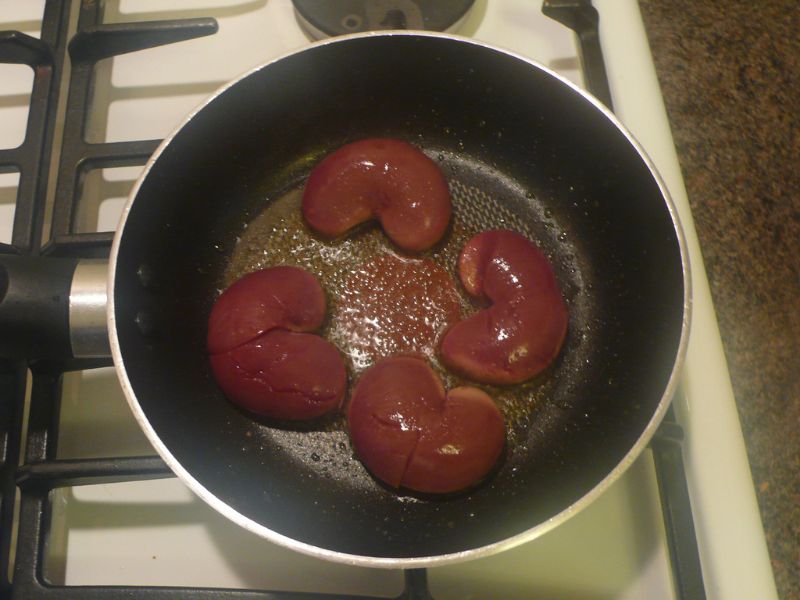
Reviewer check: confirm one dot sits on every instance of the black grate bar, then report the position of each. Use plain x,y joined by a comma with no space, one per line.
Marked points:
17,48
80,245
80,158
44,592
43,414
416,585
673,490
90,471
95,41
32,158
29,580
118,154
582,18
12,159
687,574
13,379
34,520
8,249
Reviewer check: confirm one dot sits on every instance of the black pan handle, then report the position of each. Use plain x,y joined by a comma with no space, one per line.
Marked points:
52,307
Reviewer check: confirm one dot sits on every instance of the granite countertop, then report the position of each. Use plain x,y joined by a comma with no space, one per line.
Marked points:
730,76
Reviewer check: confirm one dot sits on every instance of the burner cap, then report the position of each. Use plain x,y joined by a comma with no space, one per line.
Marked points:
322,18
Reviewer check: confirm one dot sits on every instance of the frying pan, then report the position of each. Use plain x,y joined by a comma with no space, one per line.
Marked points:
522,148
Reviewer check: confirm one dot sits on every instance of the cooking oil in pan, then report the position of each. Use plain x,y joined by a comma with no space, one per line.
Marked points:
380,301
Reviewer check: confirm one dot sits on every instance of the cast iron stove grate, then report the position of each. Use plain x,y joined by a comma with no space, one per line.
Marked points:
29,469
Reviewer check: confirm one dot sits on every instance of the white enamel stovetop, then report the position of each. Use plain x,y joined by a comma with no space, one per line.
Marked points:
158,533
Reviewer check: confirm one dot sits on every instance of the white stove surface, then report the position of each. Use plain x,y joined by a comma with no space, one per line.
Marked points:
158,533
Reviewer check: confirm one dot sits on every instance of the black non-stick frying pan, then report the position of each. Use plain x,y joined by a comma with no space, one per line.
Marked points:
522,149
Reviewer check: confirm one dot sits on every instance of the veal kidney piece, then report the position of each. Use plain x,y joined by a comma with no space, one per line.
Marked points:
410,433
384,179
262,353
522,330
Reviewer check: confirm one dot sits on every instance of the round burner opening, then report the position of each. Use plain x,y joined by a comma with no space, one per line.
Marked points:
321,18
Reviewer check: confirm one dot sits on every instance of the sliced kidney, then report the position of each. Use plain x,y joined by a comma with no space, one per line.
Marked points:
384,179
522,331
410,433
286,297
262,353
498,263
282,375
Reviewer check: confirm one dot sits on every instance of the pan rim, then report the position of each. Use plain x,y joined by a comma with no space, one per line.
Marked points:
423,561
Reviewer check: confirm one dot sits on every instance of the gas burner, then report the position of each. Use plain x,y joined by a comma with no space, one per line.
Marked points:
320,18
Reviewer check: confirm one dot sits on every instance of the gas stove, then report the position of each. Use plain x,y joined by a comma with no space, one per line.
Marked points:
94,509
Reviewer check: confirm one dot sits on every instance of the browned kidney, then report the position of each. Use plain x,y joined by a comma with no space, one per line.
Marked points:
522,330
262,353
410,433
384,179
283,375
286,297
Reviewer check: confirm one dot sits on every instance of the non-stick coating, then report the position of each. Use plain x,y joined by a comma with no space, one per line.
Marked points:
506,128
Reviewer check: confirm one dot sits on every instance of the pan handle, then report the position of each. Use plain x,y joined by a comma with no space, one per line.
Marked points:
53,308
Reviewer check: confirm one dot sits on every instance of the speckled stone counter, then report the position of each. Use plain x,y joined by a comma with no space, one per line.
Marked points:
730,75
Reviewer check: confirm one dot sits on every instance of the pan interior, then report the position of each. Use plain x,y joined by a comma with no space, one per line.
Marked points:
527,153
482,199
